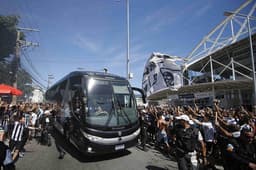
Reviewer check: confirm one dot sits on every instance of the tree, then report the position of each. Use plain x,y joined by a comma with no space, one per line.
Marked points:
8,34
5,73
9,65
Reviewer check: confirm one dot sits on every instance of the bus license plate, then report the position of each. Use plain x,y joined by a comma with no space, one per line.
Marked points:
119,147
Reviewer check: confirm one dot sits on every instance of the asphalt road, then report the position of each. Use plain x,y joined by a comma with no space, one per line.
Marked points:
39,157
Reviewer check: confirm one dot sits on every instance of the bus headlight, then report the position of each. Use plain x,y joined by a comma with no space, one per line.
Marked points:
91,137
89,149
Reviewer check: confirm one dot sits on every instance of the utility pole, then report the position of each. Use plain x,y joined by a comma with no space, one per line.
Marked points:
16,61
19,44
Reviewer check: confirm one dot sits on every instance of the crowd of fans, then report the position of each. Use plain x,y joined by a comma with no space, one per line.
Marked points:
202,137
195,137
19,124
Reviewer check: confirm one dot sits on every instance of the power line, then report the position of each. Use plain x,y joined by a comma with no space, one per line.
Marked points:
27,58
29,69
33,77
20,44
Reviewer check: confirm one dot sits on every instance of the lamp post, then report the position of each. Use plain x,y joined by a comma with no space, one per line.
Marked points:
128,74
248,18
128,39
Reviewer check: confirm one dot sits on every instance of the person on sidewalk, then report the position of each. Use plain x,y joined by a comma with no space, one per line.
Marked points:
6,160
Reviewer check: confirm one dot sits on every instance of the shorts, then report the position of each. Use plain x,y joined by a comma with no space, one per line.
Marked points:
162,135
16,144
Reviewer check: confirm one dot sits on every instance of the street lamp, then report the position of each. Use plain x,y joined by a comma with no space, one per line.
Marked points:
228,13
128,74
128,39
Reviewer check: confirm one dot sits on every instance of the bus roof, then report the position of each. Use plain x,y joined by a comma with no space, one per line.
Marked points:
89,73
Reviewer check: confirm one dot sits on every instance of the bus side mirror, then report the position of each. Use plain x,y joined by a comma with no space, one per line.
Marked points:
143,96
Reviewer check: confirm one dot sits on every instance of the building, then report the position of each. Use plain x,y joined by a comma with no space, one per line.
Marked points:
37,96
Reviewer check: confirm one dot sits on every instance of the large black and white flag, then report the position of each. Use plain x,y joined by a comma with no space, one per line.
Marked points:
161,72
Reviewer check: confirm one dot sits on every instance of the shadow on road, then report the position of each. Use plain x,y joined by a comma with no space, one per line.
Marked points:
75,153
161,154
152,167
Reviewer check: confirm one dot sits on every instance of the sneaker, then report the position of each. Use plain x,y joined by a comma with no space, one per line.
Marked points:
21,154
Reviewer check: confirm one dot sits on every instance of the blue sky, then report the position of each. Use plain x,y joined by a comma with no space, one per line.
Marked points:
91,34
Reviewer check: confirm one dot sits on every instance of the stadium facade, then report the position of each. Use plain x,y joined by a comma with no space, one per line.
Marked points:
220,66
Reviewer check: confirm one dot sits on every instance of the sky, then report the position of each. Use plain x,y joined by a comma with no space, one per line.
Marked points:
92,34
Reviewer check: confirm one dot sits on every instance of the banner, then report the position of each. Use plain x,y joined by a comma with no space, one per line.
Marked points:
161,72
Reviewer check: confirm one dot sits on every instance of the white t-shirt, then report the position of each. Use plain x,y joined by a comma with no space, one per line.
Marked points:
33,118
200,137
237,134
231,120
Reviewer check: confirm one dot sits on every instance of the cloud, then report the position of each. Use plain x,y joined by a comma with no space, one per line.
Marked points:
114,57
85,43
139,58
203,10
100,56
119,59
160,18
166,16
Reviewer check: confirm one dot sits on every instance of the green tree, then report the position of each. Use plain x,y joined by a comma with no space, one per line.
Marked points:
8,34
9,65
5,73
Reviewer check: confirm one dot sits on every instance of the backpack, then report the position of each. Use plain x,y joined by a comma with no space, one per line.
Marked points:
187,139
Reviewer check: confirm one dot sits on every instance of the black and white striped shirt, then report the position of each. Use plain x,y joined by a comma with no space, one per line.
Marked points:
5,124
17,131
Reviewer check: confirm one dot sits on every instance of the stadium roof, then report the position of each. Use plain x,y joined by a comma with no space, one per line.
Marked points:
239,52
232,29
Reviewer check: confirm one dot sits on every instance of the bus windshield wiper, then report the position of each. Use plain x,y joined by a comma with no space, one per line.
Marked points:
110,113
123,111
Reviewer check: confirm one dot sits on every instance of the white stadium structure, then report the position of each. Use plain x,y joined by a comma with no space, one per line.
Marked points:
220,66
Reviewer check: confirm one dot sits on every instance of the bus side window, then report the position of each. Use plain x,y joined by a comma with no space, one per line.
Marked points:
77,95
62,91
75,83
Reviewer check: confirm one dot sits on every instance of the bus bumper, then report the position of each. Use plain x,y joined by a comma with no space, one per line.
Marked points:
98,145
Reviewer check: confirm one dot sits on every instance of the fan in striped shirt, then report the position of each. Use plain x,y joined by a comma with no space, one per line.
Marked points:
16,136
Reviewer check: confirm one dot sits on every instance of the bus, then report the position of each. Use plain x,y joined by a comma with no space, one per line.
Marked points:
98,111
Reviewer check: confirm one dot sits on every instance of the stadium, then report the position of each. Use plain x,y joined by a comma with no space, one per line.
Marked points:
220,67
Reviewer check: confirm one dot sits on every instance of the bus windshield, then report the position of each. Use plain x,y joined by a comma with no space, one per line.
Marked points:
110,103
